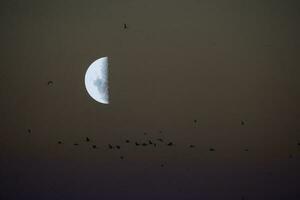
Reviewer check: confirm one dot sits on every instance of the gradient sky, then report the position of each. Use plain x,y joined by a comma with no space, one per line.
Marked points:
219,62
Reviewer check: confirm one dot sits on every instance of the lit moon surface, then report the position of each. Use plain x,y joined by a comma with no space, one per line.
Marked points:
96,80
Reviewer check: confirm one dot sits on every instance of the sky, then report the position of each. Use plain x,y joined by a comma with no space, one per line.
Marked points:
220,75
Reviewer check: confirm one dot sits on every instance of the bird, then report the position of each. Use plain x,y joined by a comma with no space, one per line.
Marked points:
195,121
94,146
59,142
161,140
29,130
242,123
144,144
87,139
110,146
76,144
192,146
170,144
125,26
150,142
246,150
122,157
211,149
50,83
118,147
127,141
137,144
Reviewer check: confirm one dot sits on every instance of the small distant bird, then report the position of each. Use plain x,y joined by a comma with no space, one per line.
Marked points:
170,144
144,144
29,130
110,146
50,83
87,139
76,144
127,141
192,146
94,146
125,26
118,147
137,144
161,140
242,123
59,142
211,149
150,142
122,157
195,121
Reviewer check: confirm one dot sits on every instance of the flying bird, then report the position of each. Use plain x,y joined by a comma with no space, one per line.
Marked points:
76,144
192,146
50,83
87,139
29,130
110,146
137,144
161,140
94,146
170,144
125,26
211,149
59,142
127,141
118,147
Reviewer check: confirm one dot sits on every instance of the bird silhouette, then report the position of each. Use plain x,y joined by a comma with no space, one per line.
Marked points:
50,83
87,139
29,130
110,146
242,123
125,26
122,157
161,140
170,144
192,146
94,146
59,142
211,149
118,147
137,144
150,142
76,144
127,141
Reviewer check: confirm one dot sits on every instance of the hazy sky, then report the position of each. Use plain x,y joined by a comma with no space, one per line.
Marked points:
219,62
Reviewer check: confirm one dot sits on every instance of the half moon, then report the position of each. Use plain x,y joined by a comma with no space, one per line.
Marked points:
96,80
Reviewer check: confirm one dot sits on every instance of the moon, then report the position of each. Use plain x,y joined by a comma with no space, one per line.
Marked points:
96,80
